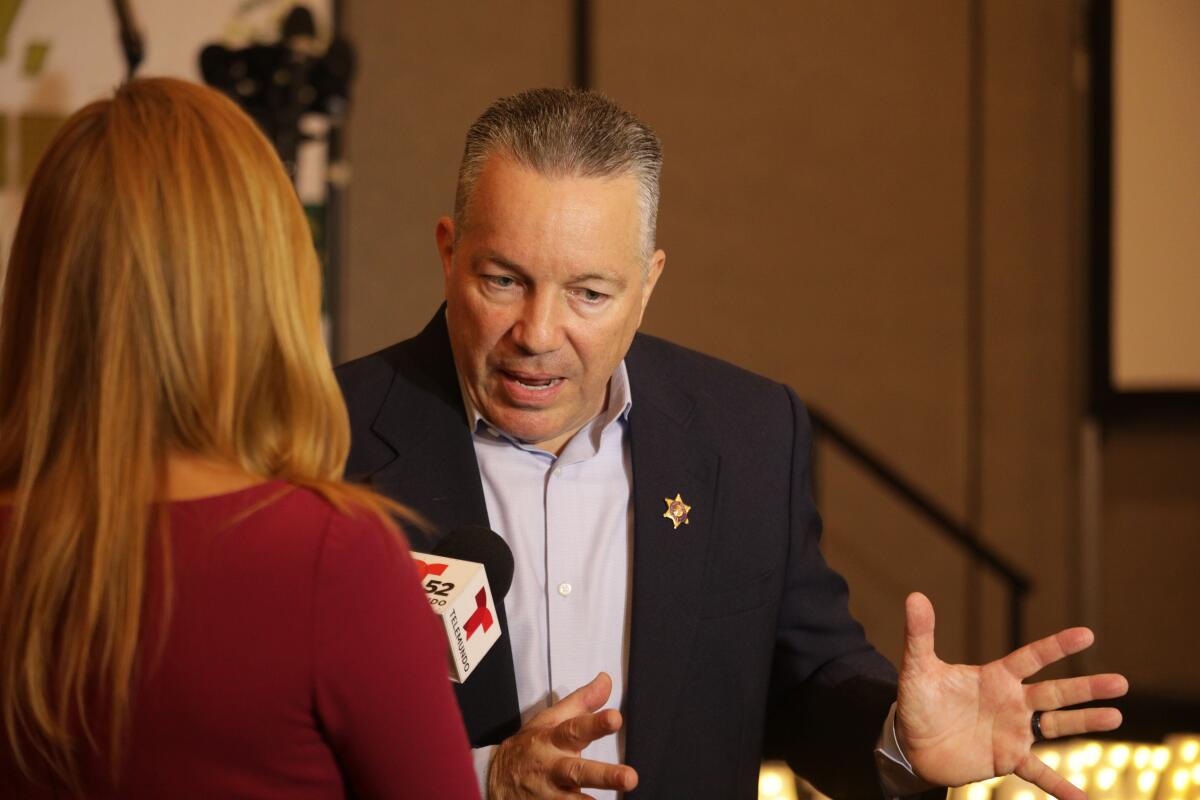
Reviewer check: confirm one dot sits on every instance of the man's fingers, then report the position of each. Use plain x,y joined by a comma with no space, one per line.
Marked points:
578,732
1056,724
1051,695
1031,658
918,627
584,700
573,774
1033,770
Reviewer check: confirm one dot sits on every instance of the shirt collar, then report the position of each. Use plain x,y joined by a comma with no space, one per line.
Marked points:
616,408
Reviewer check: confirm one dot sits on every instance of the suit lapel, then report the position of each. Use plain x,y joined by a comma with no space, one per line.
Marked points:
424,421
435,473
671,455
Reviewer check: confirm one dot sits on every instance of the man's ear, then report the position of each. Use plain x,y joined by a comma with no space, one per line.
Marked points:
653,272
445,243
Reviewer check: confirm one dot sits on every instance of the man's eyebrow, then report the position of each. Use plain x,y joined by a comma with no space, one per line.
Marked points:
598,276
499,260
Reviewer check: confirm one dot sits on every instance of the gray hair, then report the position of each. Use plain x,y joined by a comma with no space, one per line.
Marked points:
565,132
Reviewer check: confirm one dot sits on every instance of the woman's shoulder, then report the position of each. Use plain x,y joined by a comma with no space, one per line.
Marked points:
351,530
279,509
358,534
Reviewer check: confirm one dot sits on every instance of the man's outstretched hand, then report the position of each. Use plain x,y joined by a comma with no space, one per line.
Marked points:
959,723
543,758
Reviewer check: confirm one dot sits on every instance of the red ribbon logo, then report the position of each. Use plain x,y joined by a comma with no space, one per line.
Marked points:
481,616
424,569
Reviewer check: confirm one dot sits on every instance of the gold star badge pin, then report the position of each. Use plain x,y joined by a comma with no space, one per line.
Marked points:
677,511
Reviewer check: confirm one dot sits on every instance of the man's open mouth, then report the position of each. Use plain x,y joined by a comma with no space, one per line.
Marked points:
533,382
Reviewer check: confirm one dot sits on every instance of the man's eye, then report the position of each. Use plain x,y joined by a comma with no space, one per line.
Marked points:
501,281
590,295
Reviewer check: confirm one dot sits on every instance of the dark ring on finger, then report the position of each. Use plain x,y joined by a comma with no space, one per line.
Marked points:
1035,724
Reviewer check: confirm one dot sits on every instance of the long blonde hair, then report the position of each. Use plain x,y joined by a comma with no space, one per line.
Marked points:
162,295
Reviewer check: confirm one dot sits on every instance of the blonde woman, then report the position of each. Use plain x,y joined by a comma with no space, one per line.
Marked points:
191,602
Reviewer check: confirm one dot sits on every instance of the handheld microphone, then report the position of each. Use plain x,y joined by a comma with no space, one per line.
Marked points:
466,576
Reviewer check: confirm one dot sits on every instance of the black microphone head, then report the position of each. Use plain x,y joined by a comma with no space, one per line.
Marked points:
483,546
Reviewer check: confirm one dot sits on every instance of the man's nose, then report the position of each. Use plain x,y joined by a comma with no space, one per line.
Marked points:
539,329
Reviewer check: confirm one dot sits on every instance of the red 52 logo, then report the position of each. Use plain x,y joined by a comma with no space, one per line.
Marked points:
440,588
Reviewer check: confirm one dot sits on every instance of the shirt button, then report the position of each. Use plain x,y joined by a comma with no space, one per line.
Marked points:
564,589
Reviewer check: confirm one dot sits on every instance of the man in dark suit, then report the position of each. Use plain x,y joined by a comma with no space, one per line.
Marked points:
657,503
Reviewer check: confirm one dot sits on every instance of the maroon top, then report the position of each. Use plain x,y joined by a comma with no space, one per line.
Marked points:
301,661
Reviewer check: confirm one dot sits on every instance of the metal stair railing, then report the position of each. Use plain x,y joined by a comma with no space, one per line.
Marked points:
1018,583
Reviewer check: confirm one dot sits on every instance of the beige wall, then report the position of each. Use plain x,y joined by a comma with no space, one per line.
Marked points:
820,213
1156,197
1033,280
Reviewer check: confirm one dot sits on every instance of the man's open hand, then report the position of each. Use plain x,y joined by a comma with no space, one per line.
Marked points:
543,758
958,723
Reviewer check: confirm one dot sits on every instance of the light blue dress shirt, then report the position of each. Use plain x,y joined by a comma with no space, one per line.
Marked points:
569,522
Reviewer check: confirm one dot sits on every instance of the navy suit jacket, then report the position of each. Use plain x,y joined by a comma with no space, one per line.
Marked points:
741,643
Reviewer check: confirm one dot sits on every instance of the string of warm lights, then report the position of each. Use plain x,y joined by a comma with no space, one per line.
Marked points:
1105,770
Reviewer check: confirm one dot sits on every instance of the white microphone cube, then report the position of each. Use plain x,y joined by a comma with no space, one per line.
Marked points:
459,594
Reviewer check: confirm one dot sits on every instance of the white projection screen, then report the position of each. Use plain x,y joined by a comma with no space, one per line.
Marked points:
1154,245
